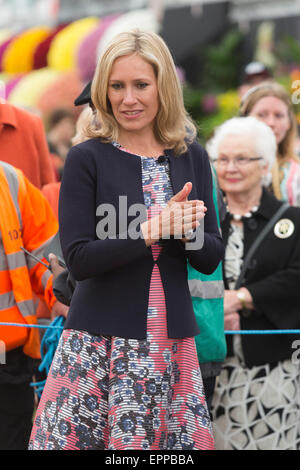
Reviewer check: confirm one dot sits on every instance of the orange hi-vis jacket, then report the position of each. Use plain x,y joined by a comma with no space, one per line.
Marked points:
26,220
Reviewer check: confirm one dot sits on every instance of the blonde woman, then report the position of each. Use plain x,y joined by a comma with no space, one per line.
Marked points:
125,374
270,103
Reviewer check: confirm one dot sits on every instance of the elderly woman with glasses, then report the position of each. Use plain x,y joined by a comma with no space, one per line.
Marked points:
257,401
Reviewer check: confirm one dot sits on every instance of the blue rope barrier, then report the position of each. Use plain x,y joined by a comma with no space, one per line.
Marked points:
262,332
49,344
227,332
26,325
51,338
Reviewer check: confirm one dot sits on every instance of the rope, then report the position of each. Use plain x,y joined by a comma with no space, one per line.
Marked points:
51,338
49,344
262,332
27,325
227,332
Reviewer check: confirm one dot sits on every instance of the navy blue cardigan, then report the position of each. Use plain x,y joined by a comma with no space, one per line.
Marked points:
111,297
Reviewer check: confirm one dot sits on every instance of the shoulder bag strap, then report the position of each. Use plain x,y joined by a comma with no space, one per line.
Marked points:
258,241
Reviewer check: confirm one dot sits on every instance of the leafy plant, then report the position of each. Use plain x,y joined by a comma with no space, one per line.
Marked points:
222,63
288,50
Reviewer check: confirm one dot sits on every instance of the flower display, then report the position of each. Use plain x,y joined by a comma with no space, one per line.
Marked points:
4,35
3,80
144,19
229,102
87,51
3,46
62,53
209,103
43,67
61,92
18,56
295,74
41,51
28,90
11,84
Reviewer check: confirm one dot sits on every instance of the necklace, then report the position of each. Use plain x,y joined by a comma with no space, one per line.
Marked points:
239,217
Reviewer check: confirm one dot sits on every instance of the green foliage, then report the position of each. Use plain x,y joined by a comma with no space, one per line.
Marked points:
222,63
213,101
193,99
288,50
207,124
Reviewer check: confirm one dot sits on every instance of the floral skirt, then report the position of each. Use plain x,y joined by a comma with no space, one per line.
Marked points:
114,393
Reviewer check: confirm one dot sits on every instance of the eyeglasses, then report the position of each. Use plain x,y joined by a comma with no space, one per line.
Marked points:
237,161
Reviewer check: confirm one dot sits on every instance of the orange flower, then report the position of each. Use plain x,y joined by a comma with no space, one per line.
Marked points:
295,74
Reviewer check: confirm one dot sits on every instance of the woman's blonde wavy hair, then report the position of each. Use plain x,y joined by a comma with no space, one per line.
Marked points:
285,149
172,127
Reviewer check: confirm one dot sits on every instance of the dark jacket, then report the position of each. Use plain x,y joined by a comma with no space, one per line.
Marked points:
111,297
273,279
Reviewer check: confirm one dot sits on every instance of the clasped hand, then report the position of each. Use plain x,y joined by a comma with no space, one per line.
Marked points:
179,217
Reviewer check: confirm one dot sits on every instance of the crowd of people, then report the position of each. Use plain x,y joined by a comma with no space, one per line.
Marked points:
168,245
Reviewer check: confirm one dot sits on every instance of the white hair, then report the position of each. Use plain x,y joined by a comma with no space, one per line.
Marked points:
260,134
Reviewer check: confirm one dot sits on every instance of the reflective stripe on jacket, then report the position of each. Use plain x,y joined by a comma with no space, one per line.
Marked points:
26,220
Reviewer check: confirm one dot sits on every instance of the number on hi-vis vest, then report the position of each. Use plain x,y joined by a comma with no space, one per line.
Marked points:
15,234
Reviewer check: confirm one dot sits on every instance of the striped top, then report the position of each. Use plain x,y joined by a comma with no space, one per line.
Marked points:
157,191
290,184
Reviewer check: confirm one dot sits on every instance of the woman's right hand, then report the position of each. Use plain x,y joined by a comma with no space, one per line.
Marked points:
178,218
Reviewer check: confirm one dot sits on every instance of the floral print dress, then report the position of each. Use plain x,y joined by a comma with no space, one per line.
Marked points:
121,394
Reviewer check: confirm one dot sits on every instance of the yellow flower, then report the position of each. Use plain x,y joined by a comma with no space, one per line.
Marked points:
228,101
18,57
28,91
62,54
